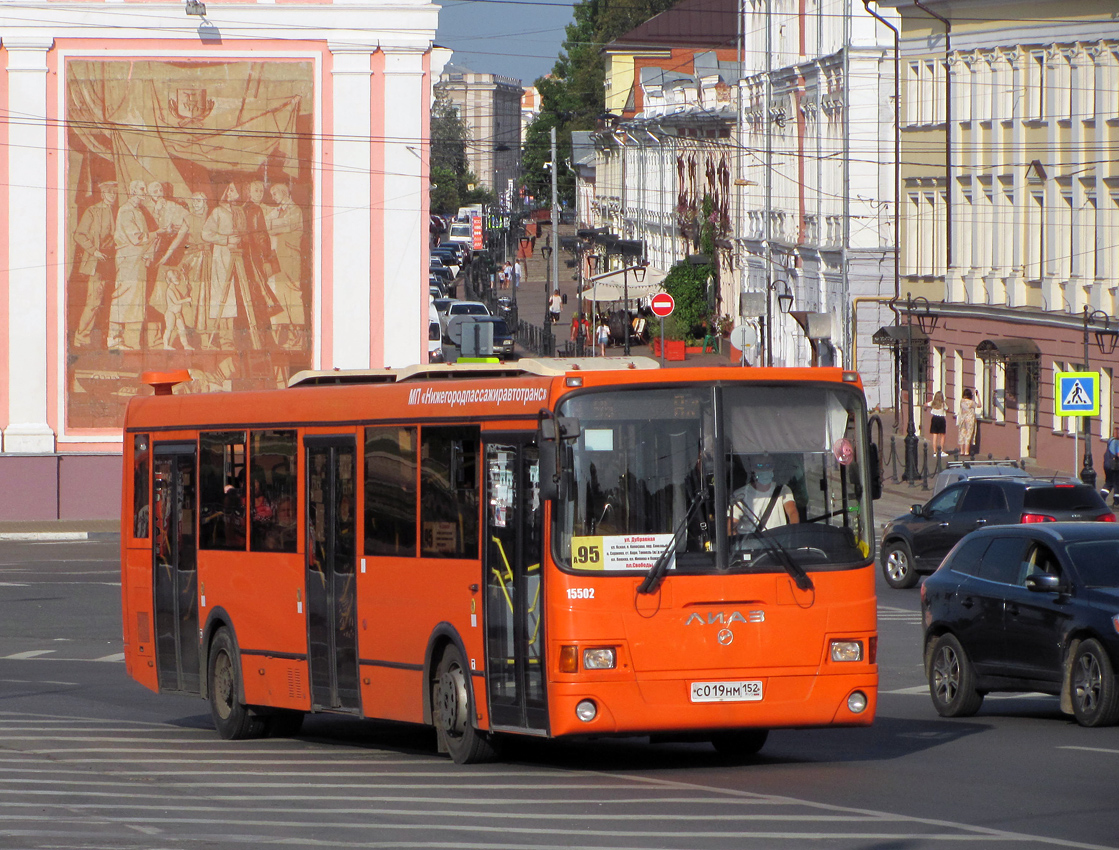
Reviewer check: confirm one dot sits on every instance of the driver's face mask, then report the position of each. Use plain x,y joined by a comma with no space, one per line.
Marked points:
764,477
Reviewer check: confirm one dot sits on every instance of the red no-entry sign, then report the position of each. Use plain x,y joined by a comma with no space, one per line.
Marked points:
662,304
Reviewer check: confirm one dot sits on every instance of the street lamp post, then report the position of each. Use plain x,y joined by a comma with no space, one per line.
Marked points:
784,304
926,322
546,253
1106,339
639,275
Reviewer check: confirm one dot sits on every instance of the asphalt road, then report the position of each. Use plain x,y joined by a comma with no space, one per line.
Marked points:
90,760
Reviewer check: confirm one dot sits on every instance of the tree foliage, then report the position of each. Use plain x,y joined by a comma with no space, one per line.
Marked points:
688,285
573,97
453,184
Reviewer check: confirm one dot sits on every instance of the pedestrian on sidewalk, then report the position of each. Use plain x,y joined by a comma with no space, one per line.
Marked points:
555,305
938,423
518,274
588,333
965,423
1111,465
603,336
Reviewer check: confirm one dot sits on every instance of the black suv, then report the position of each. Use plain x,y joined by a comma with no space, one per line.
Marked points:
917,542
1026,608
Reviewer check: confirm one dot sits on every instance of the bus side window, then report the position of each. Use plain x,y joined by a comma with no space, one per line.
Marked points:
449,492
222,490
390,491
141,486
273,487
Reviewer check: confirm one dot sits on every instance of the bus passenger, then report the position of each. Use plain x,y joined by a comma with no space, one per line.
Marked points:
759,505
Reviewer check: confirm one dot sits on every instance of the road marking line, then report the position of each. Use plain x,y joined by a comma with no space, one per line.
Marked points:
1091,749
25,656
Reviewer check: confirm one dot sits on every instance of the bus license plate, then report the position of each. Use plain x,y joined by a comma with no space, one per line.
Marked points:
750,691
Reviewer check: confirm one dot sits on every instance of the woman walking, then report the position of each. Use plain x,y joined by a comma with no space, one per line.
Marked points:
938,425
965,423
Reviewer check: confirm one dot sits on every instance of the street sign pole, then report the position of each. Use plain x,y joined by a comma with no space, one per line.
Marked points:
662,340
662,304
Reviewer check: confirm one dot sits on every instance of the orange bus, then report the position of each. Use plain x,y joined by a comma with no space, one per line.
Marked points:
552,548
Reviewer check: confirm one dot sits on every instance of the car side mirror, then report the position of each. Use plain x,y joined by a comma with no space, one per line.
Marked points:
1043,583
917,510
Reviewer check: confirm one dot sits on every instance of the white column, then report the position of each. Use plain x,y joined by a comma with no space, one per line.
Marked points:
406,225
350,181
27,430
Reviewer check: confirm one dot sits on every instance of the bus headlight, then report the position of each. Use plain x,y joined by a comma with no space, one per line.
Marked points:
586,710
846,650
600,658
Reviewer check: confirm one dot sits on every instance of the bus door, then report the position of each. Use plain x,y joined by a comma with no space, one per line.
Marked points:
174,560
514,589
331,574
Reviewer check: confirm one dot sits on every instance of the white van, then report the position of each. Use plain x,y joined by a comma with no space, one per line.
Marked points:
434,334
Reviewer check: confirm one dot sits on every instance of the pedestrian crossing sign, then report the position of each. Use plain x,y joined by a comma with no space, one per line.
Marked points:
1077,393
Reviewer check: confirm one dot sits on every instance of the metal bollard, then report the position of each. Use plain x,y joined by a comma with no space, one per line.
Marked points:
893,458
925,467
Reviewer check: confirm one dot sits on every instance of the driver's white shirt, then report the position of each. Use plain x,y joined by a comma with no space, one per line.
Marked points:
757,500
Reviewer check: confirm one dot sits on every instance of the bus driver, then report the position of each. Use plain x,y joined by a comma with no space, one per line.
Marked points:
759,505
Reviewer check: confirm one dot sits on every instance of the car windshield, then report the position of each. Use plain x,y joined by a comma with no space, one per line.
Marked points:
721,474
470,310
442,304
500,328
1097,562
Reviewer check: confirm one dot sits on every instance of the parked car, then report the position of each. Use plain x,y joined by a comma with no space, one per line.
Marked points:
442,305
967,470
463,308
1026,608
503,342
916,543
434,335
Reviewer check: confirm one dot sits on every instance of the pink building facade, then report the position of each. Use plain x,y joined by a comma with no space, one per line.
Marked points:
242,194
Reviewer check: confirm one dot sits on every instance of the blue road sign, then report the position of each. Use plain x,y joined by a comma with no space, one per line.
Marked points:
1077,393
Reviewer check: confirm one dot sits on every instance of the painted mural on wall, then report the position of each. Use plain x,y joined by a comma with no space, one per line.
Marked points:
189,227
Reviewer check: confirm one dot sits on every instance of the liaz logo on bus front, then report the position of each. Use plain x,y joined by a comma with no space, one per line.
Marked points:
722,617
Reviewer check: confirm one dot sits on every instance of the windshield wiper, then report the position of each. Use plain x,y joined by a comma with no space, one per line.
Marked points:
656,572
773,548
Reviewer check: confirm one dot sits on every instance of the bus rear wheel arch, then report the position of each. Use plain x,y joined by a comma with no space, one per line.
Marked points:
452,711
232,718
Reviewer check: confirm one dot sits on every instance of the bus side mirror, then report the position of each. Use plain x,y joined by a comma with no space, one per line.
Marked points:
875,473
554,432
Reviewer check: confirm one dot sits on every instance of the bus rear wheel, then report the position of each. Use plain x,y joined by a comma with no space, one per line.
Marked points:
232,718
452,711
740,742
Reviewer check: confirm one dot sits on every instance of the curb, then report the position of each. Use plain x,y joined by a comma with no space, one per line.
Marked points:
56,536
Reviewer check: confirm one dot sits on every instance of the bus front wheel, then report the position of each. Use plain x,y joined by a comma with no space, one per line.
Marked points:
232,718
452,711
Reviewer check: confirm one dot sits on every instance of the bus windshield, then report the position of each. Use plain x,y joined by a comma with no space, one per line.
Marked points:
735,477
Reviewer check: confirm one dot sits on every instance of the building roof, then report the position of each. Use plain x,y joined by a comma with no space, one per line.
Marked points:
690,23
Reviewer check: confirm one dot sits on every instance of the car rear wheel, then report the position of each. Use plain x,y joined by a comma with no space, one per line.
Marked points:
897,565
1095,699
951,680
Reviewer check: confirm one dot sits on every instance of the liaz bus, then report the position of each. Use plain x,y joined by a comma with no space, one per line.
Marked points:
548,548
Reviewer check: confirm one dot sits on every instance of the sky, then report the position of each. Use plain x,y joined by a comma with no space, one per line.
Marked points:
513,38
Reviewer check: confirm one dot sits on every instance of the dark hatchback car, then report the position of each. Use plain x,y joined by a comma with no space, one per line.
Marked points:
1026,608
916,543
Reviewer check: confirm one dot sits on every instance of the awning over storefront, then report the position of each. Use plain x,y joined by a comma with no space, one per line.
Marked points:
1008,350
610,286
895,335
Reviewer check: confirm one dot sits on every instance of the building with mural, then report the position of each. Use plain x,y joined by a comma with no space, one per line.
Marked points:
240,191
